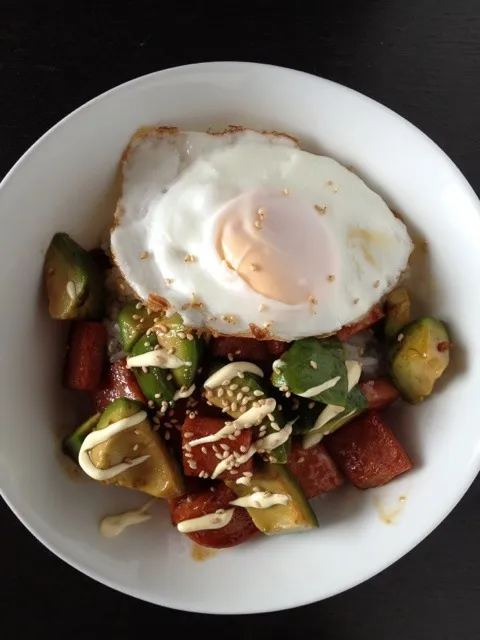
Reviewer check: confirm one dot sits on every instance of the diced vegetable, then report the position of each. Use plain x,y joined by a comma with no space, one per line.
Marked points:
379,393
86,356
367,452
373,316
186,348
310,363
397,311
117,382
296,515
159,475
74,283
355,405
419,357
155,382
133,323
205,458
238,530
314,470
254,384
73,443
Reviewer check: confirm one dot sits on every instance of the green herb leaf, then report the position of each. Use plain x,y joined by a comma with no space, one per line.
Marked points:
312,362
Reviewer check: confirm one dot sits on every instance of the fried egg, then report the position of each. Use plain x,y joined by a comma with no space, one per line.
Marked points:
243,233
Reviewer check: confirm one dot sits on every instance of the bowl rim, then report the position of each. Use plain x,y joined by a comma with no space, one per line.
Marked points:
269,68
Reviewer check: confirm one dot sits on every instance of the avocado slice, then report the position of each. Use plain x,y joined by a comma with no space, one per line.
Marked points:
156,383
254,383
74,283
159,475
355,405
296,515
133,323
73,443
187,349
397,311
419,357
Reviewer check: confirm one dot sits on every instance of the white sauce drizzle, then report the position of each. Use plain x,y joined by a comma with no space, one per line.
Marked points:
250,418
314,437
183,394
354,371
230,371
71,289
278,364
206,523
261,500
223,465
156,358
112,526
98,437
274,440
313,391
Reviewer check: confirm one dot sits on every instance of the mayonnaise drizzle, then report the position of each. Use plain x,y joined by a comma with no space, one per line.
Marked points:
314,437
71,289
98,437
230,371
354,371
223,465
156,358
250,418
206,523
178,395
112,526
274,440
261,500
313,391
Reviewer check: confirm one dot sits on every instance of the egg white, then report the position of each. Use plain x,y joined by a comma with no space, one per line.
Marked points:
174,187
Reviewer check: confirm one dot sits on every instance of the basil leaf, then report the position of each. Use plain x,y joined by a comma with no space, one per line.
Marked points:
296,372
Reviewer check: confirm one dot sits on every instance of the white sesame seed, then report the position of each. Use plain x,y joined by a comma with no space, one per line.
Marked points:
231,437
300,460
356,301
275,426
212,489
288,394
271,417
225,447
192,464
240,374
225,455
239,396
233,472
229,393
190,258
230,357
151,404
225,383
167,437
311,405
313,364
190,336
376,284
234,406
219,456
331,278
188,434
181,334
187,454
243,449
258,224
144,255
233,387
245,401
204,450
283,389
187,447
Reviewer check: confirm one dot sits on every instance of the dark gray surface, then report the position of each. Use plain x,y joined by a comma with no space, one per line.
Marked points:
422,59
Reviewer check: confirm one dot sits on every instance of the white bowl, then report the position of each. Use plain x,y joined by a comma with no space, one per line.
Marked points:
64,182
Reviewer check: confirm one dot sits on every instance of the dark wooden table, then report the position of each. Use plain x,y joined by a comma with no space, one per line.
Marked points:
419,57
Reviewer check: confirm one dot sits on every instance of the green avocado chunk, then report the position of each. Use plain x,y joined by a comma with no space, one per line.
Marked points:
73,443
295,516
184,347
256,391
156,383
159,475
74,283
397,311
133,323
419,357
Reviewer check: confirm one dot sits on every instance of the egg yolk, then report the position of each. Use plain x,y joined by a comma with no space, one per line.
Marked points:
279,245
